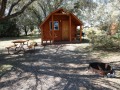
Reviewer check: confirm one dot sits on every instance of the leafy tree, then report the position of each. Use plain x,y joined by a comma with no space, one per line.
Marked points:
47,6
9,28
25,23
30,19
105,15
12,8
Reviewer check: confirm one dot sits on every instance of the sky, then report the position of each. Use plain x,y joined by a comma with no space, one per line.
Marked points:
101,1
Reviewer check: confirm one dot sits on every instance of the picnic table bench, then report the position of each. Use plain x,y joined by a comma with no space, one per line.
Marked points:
32,45
11,46
17,44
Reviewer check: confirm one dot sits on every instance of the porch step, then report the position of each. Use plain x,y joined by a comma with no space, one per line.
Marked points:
47,42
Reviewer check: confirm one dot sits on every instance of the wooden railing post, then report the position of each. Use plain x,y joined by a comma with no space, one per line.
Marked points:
81,28
52,28
70,28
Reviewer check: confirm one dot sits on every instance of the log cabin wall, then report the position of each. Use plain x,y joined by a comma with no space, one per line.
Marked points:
46,31
74,31
60,19
67,26
58,33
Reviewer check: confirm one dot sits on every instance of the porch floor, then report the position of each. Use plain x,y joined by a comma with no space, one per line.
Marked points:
67,42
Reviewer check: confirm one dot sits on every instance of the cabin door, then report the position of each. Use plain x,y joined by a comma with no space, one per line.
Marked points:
65,30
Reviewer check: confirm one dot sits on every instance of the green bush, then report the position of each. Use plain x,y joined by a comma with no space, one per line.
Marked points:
100,39
9,29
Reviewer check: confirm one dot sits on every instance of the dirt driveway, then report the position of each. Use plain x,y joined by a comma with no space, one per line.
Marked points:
54,67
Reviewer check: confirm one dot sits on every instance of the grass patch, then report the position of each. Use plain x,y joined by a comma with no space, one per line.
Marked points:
36,36
4,68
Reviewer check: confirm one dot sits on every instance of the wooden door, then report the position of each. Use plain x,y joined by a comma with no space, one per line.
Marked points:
65,30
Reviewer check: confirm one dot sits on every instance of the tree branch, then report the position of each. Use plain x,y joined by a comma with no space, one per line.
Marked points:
12,6
19,12
3,7
57,4
43,8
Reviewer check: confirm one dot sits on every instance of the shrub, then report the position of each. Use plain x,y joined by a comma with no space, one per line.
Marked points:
100,39
9,29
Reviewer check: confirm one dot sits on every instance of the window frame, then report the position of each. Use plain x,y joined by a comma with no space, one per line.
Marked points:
50,25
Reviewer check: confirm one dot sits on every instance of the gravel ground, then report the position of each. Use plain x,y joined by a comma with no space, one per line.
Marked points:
55,67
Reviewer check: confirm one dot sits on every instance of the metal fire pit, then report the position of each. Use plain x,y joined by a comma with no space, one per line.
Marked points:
103,69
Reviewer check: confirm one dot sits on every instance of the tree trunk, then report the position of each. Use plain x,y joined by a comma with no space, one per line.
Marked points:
25,29
2,9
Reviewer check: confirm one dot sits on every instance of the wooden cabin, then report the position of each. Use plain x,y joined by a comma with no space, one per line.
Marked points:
60,25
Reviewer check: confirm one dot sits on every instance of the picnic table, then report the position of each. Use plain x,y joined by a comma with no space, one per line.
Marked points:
18,44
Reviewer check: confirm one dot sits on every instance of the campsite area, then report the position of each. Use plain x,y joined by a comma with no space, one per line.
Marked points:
59,44
56,67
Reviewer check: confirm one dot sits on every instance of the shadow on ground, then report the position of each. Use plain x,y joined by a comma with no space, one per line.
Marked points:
52,67
20,37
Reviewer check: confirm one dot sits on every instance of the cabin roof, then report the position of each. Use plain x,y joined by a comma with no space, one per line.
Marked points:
63,11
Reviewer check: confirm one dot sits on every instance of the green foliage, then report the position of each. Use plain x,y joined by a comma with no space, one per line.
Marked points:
100,39
9,29
104,41
104,27
82,4
5,68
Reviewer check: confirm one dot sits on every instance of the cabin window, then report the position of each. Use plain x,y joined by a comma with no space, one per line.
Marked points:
56,25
